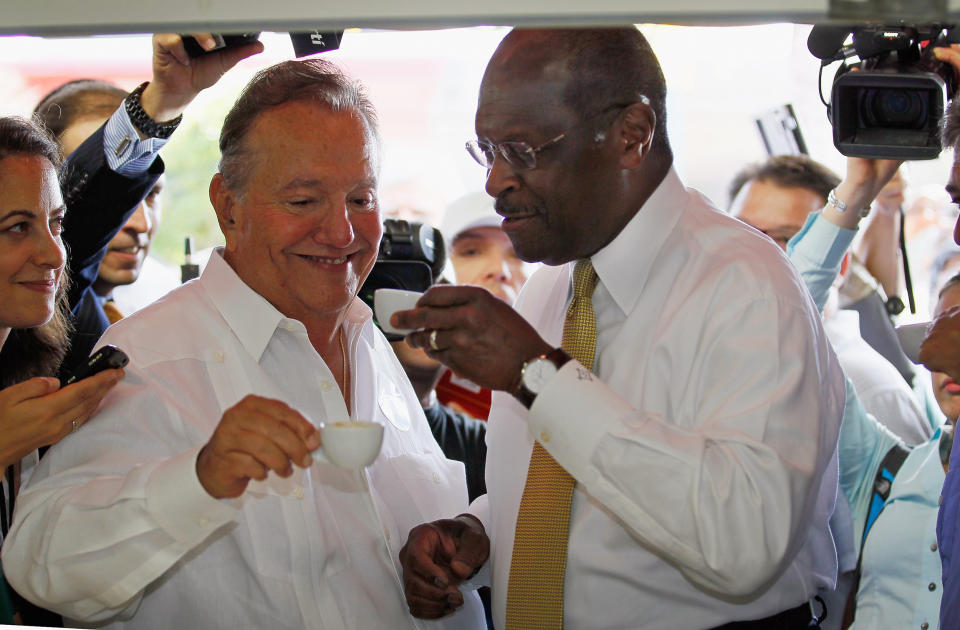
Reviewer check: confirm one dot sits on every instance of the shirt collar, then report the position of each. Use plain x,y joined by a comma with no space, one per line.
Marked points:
251,317
623,266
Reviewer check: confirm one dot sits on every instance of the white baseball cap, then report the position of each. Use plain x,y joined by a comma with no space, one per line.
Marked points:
470,211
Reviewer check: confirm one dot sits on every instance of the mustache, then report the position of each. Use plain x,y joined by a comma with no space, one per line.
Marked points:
507,209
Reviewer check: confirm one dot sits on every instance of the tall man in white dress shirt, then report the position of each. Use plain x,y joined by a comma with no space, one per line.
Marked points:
191,499
702,442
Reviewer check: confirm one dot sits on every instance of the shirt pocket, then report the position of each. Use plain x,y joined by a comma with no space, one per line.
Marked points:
436,486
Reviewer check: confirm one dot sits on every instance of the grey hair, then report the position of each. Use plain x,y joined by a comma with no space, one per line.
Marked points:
311,81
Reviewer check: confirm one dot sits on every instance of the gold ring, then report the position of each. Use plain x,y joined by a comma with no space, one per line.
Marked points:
75,424
433,340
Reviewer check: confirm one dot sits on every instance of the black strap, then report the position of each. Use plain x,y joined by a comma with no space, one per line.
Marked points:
882,483
906,264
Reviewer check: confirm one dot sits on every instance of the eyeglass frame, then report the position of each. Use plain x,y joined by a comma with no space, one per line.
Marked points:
523,149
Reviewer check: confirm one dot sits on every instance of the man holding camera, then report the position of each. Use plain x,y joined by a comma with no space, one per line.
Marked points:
662,438
192,499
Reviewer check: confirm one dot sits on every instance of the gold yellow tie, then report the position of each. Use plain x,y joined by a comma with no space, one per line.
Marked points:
535,590
112,312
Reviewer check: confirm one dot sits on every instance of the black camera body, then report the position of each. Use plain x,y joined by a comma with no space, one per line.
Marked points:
412,256
889,104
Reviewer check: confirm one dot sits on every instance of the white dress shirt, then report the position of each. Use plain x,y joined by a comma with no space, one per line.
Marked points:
704,449
879,385
116,529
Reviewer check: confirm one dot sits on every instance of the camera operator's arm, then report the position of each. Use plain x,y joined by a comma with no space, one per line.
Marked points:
818,248
864,180
878,244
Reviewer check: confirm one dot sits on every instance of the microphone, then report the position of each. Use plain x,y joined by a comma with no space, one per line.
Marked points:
826,40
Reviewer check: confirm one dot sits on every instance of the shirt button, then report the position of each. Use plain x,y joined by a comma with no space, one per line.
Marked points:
298,492
326,386
932,586
544,436
386,533
933,546
203,522
218,357
436,478
924,625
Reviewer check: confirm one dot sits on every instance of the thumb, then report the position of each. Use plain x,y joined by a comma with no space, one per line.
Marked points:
471,553
230,57
33,388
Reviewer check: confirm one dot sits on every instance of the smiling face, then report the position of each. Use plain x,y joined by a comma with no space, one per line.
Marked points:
32,255
129,248
945,389
570,205
305,229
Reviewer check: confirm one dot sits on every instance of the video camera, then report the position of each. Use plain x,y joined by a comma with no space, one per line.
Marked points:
890,93
411,257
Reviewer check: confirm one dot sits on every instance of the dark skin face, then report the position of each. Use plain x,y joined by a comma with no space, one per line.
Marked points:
580,195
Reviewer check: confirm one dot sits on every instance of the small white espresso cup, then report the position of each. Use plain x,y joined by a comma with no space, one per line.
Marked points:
349,444
386,302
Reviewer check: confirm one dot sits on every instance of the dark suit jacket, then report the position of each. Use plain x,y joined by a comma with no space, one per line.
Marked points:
99,201
464,439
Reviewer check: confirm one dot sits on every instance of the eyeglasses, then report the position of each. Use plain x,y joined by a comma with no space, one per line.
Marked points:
520,154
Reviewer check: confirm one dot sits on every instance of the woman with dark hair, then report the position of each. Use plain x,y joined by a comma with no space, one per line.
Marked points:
34,320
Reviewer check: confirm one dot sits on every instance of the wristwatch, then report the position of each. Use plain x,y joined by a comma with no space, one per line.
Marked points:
537,372
141,119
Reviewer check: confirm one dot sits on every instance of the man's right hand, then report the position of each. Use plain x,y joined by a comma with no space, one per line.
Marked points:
255,436
940,350
437,557
177,79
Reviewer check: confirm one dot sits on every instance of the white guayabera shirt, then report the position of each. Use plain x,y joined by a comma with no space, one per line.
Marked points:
116,529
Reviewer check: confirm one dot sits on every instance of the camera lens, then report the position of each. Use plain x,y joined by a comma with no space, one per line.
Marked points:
897,108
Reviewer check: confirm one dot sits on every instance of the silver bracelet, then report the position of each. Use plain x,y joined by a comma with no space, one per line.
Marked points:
841,206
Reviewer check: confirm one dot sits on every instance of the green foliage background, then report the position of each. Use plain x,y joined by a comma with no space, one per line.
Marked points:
191,159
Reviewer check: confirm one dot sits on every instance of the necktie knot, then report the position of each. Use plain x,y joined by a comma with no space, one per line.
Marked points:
584,279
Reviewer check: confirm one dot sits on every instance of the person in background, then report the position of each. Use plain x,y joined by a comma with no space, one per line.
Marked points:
679,470
482,255
72,112
892,570
200,503
776,197
901,577
34,315
123,148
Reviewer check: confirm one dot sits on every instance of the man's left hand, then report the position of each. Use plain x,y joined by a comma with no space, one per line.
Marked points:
474,333
177,79
940,350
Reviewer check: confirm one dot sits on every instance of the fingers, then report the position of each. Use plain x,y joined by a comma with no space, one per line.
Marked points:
275,434
949,55
254,436
436,307
172,44
78,401
230,57
428,586
32,388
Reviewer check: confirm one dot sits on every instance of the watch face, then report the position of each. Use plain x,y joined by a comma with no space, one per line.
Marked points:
536,373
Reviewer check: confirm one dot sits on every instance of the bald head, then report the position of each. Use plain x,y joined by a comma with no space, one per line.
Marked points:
593,68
